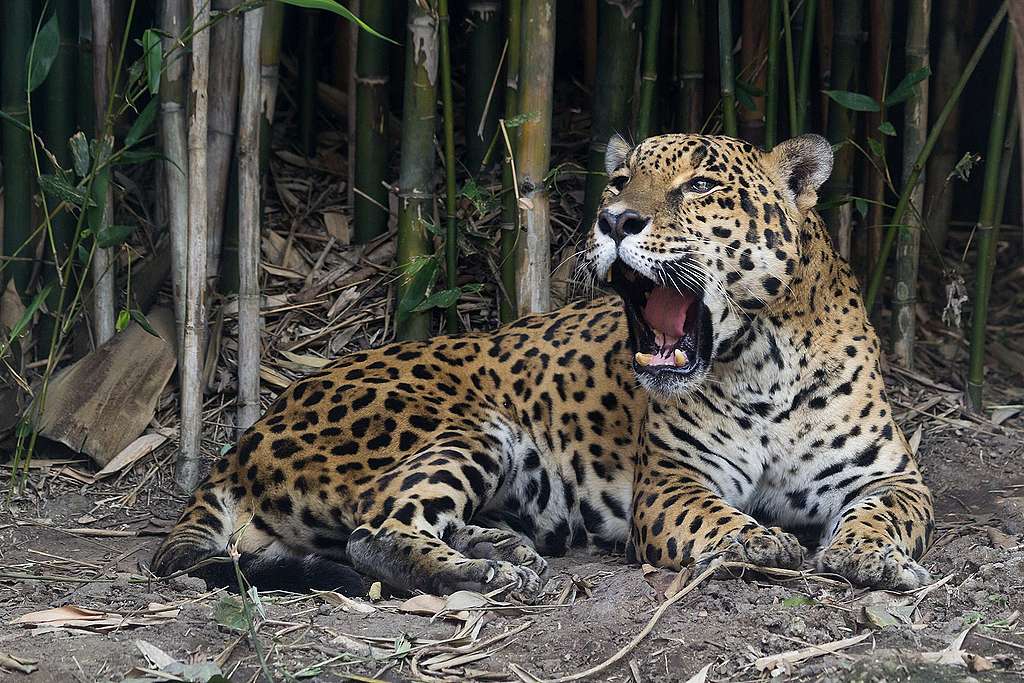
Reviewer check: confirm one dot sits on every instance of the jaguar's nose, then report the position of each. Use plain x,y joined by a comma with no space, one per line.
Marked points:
618,224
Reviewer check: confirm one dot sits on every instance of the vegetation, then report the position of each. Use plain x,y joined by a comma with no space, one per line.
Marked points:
517,101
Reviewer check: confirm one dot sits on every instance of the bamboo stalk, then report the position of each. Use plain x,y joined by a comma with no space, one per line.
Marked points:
908,238
103,274
690,105
17,153
85,107
1017,28
59,124
842,124
753,45
617,36
415,181
987,229
533,156
649,76
727,75
955,25
899,213
879,39
484,42
825,32
370,212
353,31
589,44
509,207
791,101
771,100
173,141
187,473
225,56
808,18
249,225
307,83
270,59
451,238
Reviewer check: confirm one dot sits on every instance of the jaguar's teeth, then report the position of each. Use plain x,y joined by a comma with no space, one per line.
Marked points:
643,359
608,276
680,358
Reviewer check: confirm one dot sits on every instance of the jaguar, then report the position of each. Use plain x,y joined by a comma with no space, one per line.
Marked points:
724,400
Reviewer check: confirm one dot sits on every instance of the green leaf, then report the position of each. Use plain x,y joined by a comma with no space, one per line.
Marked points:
30,311
441,299
123,318
854,101
143,322
861,205
230,613
745,94
60,189
43,52
887,129
877,148
905,88
94,214
80,153
138,156
154,58
420,274
340,10
113,235
142,124
797,601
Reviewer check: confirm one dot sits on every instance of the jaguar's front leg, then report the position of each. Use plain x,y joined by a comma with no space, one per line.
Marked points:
678,519
878,537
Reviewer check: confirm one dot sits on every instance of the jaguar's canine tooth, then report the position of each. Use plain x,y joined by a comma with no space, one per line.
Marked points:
608,276
680,358
643,358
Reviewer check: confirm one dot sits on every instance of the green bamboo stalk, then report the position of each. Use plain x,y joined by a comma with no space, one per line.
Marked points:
59,124
509,208
484,43
415,181
728,76
900,212
790,65
533,155
18,171
307,83
451,238
908,236
771,99
85,110
617,36
649,77
842,124
808,18
690,31
880,39
988,226
270,60
370,212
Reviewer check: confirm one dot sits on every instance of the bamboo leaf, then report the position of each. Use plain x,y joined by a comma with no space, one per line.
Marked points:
441,299
80,153
854,101
123,318
421,273
905,88
94,215
113,235
154,59
142,124
26,317
44,51
877,148
340,10
60,189
887,129
143,322
137,156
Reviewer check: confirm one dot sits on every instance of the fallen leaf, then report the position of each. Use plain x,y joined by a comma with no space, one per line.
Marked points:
278,252
74,617
155,655
131,454
915,440
337,225
785,660
230,613
1001,415
882,608
1000,539
307,360
15,663
701,676
951,655
347,604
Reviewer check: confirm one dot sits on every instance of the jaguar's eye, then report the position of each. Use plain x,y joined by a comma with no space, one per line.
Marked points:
618,182
700,185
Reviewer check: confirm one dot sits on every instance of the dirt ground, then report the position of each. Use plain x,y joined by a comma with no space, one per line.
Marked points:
69,542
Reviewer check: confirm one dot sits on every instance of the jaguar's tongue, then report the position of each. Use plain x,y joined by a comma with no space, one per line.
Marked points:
666,311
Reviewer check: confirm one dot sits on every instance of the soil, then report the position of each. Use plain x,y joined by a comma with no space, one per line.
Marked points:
67,542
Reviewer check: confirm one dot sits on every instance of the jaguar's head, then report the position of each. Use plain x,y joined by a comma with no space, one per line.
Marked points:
698,234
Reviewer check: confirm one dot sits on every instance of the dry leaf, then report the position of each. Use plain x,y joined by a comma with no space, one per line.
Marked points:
915,440
315,362
155,655
337,225
1001,540
15,663
278,252
1001,415
347,604
75,617
701,676
131,454
951,655
11,308
785,660
882,608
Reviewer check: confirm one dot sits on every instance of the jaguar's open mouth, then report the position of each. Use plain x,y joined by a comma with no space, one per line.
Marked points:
670,326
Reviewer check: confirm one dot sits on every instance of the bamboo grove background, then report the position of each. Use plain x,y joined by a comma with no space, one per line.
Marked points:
465,142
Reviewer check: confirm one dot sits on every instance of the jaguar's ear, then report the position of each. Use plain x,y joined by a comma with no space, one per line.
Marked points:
616,152
803,164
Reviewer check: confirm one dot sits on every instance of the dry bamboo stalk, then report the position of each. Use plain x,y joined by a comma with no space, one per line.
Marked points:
534,156
187,473
225,53
908,239
248,402
102,262
175,16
